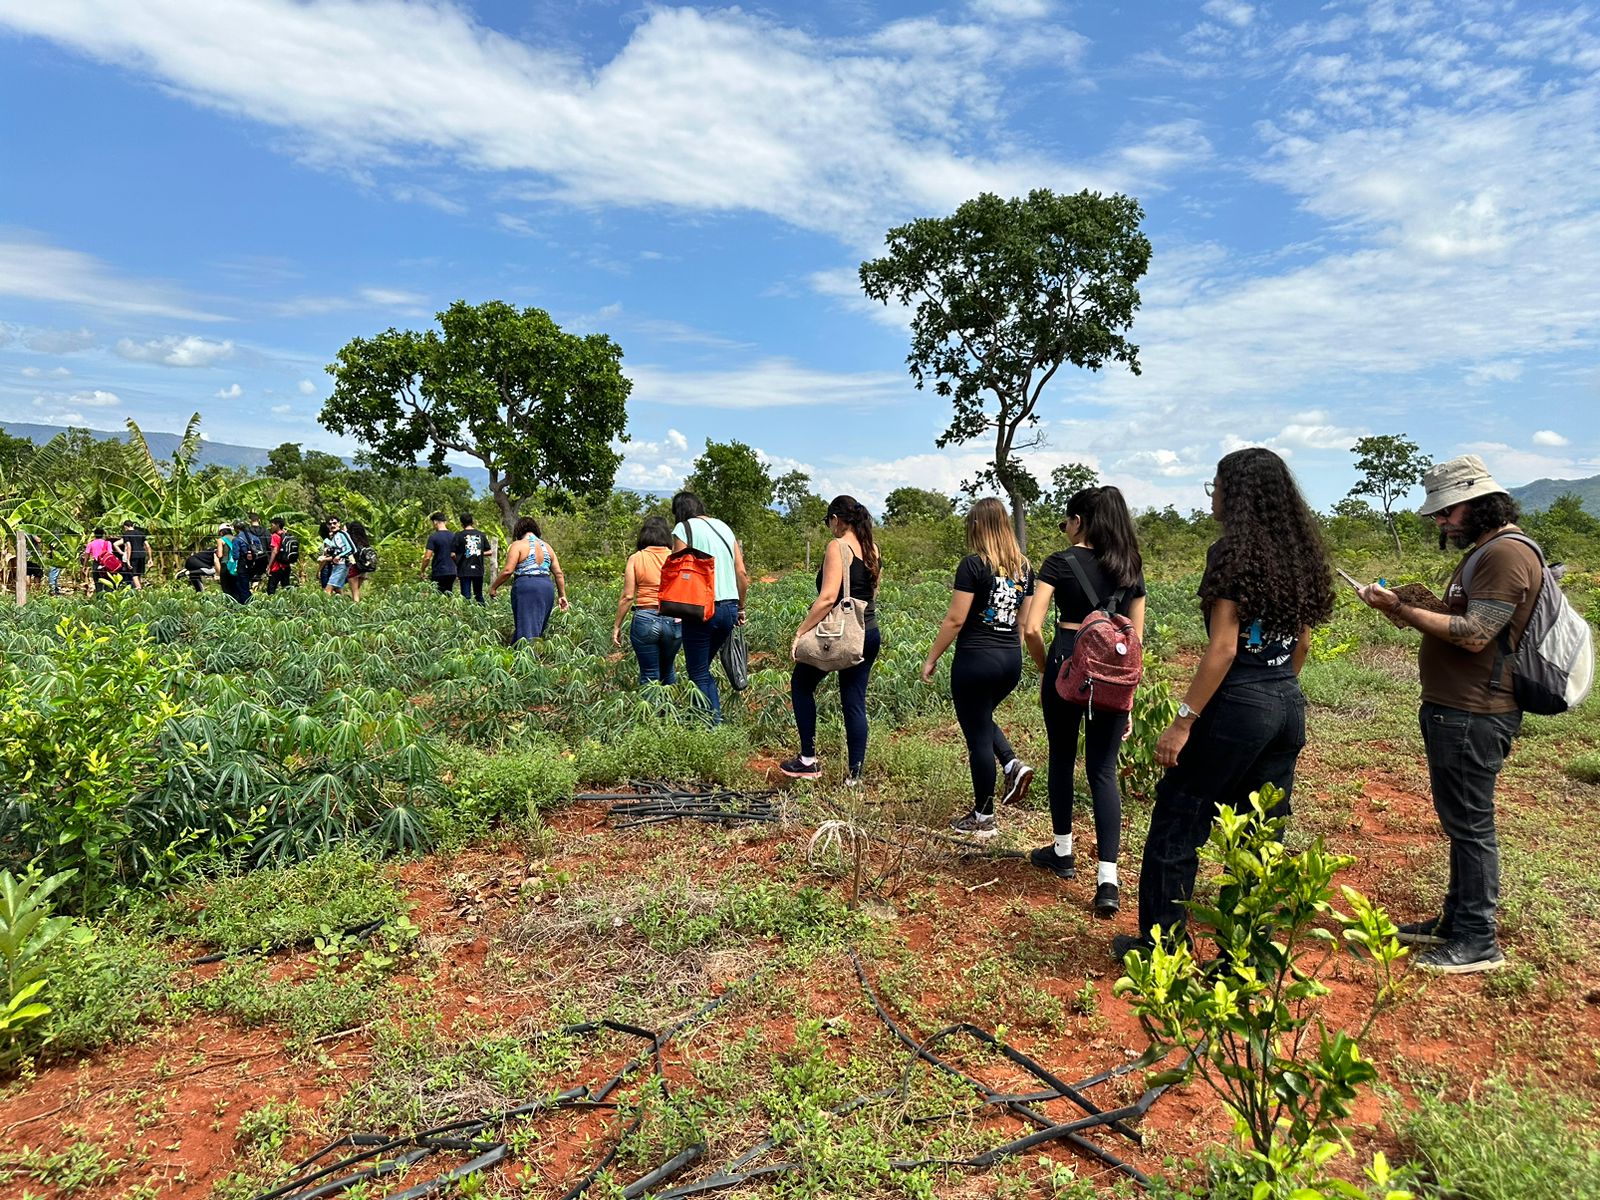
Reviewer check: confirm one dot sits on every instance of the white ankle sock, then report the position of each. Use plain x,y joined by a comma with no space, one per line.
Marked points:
805,761
1063,844
1011,766
1106,873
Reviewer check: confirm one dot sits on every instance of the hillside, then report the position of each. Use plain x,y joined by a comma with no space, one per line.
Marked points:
1542,493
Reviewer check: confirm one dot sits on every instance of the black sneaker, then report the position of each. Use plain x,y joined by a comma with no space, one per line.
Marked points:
1017,782
1123,943
1062,866
795,769
1107,900
975,826
1461,957
1435,931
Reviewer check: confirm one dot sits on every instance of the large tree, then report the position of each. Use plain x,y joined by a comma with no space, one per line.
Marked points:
732,481
908,505
1391,465
1004,292
539,408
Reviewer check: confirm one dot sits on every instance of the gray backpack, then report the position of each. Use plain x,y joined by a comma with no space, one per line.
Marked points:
1552,666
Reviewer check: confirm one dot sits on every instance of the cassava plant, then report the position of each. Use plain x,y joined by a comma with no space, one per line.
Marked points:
27,931
1248,1023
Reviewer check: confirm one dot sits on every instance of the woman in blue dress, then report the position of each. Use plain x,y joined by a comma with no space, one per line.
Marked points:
537,584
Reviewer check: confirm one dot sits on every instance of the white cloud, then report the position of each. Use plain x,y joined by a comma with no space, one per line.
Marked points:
282,410
231,392
34,270
191,351
42,373
1314,431
411,304
770,383
98,398
707,110
1493,372
392,297
1012,10
62,418
1230,11
307,388
676,440
1549,437
58,341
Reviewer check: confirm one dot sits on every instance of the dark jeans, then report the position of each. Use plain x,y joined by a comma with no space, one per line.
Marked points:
803,681
1465,752
655,640
278,579
1251,733
1102,744
445,583
979,681
236,585
471,587
701,641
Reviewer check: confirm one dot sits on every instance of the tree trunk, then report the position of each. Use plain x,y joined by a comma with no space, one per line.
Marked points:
502,501
22,568
1394,532
1019,516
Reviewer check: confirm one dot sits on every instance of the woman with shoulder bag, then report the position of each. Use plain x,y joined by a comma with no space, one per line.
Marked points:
985,622
702,639
850,567
655,638
1104,555
537,584
1242,722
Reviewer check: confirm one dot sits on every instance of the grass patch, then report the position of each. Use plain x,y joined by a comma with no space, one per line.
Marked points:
1507,1141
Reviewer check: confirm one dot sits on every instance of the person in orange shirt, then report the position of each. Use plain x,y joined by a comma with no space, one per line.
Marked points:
655,638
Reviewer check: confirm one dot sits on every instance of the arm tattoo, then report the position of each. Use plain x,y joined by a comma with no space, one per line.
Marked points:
1480,624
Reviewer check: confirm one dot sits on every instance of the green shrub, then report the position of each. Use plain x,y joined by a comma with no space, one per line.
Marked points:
104,990
1585,768
27,934
716,755
1507,1141
512,785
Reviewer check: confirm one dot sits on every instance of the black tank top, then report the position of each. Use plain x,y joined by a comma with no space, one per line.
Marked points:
861,586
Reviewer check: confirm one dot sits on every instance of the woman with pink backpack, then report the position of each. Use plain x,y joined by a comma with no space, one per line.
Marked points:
1089,673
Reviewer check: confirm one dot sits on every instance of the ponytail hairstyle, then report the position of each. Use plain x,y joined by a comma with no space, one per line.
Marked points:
990,536
1271,555
854,514
1108,527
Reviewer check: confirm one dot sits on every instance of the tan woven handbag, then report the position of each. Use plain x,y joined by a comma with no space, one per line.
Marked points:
839,639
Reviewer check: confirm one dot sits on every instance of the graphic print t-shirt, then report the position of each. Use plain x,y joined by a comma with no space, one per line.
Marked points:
996,613
468,549
1263,653
443,543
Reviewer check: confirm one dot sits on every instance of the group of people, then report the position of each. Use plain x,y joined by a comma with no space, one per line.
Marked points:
248,554
1241,722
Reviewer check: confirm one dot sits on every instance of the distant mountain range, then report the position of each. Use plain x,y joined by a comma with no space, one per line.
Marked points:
1542,493
222,454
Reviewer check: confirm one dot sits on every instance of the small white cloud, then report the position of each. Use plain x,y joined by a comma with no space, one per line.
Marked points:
231,392
58,341
1231,11
307,388
676,440
391,297
176,351
41,373
63,418
1507,371
1549,437
1011,10
94,399
282,410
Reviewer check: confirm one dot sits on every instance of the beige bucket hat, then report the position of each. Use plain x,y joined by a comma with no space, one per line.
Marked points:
1451,482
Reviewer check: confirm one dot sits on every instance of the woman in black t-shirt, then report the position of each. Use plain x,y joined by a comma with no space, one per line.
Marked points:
1242,722
851,526
1106,550
985,622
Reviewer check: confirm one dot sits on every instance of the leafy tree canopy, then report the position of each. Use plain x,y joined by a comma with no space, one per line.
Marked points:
732,481
1390,465
1003,293
907,505
538,407
1066,481
802,507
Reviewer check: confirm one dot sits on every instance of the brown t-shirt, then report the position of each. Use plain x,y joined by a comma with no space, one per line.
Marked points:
1507,571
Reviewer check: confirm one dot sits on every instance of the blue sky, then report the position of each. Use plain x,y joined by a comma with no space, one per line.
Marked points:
1367,217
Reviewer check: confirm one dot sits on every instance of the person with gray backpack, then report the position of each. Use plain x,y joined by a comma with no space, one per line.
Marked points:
1503,641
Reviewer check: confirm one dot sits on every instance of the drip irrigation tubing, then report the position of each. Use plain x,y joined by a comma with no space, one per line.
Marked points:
653,801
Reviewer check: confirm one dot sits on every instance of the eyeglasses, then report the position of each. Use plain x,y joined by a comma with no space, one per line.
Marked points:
1211,487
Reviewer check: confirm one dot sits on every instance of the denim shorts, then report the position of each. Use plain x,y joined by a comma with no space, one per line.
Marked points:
338,575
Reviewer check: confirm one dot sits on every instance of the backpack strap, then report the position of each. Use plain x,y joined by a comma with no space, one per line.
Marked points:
689,524
1502,642
1113,601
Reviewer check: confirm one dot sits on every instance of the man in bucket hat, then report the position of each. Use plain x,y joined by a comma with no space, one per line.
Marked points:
1468,715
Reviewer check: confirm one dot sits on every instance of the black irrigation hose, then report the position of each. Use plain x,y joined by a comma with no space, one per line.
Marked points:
358,932
653,801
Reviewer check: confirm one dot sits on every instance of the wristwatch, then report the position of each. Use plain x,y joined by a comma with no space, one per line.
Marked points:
1185,713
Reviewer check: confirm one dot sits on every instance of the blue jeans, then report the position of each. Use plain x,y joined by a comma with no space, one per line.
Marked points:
655,642
701,641
471,587
852,699
1465,753
1250,733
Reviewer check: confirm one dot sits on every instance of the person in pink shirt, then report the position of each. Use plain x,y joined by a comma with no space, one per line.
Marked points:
93,555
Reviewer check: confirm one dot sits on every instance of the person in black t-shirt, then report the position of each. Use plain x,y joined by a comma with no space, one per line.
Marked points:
133,547
1106,549
440,556
851,526
468,550
1242,722
985,622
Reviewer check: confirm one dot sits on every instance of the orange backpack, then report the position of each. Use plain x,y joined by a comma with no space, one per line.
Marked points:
688,588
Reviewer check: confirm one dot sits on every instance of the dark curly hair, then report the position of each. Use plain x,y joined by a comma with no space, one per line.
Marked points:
1270,559
1485,514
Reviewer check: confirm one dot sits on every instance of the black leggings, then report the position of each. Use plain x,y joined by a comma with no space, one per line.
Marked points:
803,683
979,681
1102,742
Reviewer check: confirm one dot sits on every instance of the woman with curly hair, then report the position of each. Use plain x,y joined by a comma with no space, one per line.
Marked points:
1242,722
